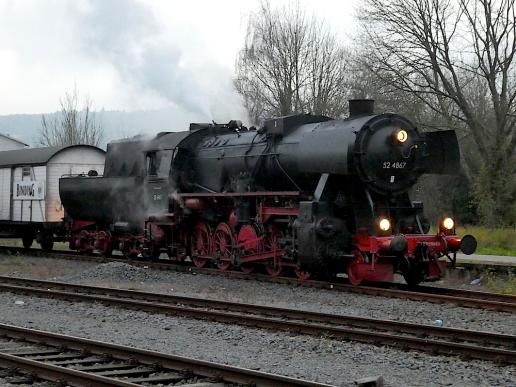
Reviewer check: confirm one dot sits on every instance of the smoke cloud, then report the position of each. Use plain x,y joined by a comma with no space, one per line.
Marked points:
127,35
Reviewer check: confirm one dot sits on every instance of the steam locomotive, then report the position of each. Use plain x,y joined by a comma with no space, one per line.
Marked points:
304,192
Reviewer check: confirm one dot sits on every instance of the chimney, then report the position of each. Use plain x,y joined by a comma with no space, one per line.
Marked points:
359,107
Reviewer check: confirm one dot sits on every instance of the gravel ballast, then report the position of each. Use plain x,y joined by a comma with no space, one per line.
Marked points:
322,359
123,275
5,383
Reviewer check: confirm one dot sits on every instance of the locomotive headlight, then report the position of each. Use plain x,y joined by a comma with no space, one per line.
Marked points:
447,224
401,135
384,224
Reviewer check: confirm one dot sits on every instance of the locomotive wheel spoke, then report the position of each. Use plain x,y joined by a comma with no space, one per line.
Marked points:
201,244
354,276
247,268
223,265
104,244
199,262
302,275
354,279
274,271
250,243
224,245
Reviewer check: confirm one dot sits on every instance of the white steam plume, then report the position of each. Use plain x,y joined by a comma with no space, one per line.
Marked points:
126,34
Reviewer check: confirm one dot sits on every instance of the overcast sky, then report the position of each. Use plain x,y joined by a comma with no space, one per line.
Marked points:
132,55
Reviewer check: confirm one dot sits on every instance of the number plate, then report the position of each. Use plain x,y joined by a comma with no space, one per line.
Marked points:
394,165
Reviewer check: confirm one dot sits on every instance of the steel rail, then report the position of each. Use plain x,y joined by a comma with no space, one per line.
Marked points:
186,367
476,344
464,298
508,298
59,374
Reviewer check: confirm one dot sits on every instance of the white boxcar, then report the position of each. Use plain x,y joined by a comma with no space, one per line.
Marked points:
30,206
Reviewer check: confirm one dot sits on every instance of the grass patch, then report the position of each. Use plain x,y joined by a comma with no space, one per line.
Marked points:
12,263
11,242
497,241
16,242
495,251
501,285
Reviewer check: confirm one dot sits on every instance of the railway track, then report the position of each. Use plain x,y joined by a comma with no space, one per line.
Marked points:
438,295
499,348
82,362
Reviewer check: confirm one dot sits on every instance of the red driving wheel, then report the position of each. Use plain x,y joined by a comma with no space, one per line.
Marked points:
250,243
274,267
201,244
224,242
302,275
354,274
104,243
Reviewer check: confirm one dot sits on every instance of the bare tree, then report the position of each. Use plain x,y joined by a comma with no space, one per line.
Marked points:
456,58
71,126
290,63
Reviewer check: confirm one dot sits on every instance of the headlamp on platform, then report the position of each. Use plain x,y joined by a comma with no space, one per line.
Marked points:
401,136
384,224
447,224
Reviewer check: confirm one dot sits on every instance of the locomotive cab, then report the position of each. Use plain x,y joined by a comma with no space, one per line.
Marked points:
157,183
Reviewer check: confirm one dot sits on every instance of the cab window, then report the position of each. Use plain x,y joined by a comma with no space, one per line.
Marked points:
165,161
152,164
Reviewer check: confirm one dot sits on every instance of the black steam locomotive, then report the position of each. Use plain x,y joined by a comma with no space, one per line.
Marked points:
304,192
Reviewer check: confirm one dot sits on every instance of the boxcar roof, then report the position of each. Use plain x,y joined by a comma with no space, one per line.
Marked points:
34,156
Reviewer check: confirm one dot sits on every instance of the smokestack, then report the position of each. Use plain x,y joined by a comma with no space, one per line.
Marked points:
359,107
